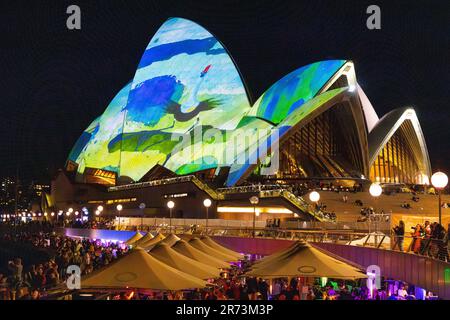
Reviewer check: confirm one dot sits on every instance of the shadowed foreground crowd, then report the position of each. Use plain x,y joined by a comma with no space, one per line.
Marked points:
33,280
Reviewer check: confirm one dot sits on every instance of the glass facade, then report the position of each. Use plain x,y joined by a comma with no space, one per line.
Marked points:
396,162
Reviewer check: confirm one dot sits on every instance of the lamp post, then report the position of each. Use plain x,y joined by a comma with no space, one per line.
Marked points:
439,180
254,201
314,197
142,207
60,213
207,203
375,191
98,212
170,205
119,209
68,215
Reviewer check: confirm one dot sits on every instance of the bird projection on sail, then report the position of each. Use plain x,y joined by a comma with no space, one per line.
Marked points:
192,107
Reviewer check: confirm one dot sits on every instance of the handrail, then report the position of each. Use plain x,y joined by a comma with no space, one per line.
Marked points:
249,188
296,201
210,191
190,178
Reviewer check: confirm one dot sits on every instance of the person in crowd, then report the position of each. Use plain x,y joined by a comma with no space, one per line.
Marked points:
33,294
16,268
263,288
417,238
406,205
402,293
399,236
252,285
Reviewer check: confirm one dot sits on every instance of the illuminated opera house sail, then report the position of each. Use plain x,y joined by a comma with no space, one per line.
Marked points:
186,80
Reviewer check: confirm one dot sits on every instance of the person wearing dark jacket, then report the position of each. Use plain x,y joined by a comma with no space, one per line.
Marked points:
399,233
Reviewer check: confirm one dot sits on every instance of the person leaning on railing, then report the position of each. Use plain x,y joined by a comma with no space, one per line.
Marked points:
399,234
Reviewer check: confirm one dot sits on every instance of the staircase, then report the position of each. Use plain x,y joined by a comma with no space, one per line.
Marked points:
297,202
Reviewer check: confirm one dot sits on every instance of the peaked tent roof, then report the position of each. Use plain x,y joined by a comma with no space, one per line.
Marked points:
189,251
198,244
278,254
306,261
134,238
213,244
147,237
164,253
150,243
140,270
170,240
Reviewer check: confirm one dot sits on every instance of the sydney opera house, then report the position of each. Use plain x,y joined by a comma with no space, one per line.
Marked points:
315,124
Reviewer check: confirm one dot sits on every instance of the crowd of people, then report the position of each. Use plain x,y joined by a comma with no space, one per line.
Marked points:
430,239
234,286
32,281
22,279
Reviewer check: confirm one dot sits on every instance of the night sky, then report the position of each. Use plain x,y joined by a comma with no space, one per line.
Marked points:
54,82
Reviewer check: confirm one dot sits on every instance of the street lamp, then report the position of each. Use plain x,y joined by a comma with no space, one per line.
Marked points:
439,180
314,196
119,208
207,204
142,207
98,211
375,191
170,205
60,213
254,201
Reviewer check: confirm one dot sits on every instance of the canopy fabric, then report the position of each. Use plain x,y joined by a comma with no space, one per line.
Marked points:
164,253
134,238
303,260
213,244
148,236
198,244
278,254
189,251
150,243
140,270
170,240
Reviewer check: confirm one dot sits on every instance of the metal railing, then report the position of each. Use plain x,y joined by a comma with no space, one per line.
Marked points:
190,178
249,189
296,201
425,246
265,191
151,183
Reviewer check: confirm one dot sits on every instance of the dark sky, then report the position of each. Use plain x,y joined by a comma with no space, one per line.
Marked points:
54,82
